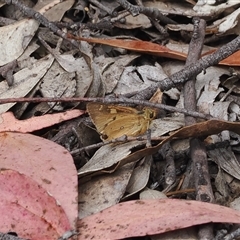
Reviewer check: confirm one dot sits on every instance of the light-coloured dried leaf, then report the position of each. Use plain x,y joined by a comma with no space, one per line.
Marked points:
139,21
25,61
235,204
97,87
83,75
234,112
69,63
172,7
131,77
223,191
139,177
107,156
15,38
112,69
207,87
84,80
153,73
58,83
24,81
219,110
55,13
226,159
171,67
151,194
227,25
203,8
44,6
180,27
161,126
110,187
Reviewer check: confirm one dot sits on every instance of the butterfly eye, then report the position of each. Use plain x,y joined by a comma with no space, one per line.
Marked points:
151,114
104,136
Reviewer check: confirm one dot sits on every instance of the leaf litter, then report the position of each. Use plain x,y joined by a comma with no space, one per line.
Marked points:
115,58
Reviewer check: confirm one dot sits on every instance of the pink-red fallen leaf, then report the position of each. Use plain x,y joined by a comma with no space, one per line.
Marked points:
9,123
27,209
137,46
49,164
149,217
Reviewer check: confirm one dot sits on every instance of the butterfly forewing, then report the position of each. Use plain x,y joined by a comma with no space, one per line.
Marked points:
114,121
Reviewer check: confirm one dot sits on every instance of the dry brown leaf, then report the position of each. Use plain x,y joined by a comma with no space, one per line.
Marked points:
202,129
154,49
233,60
136,45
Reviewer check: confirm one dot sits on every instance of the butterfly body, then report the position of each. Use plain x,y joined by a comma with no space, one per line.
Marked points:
113,121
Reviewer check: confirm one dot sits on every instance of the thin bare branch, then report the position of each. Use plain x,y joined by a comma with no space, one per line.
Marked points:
109,101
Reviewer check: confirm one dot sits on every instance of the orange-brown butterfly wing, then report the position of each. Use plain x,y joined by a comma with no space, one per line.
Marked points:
114,121
133,125
100,115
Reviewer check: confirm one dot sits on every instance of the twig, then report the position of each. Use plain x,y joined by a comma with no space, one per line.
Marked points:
163,32
230,98
5,236
27,11
192,70
109,101
220,234
227,93
124,138
6,21
101,6
197,149
153,13
119,17
170,169
233,235
7,71
183,191
194,53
